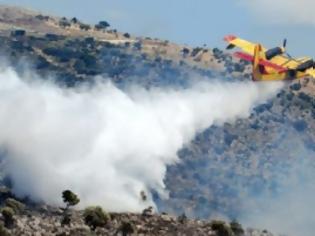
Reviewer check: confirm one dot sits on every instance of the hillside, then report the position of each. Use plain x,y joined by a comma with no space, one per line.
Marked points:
227,169
57,42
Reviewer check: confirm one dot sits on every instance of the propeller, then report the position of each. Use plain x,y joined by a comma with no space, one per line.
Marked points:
284,44
304,65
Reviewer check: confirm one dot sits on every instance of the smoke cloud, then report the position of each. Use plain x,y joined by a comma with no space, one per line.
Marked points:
282,11
291,211
103,143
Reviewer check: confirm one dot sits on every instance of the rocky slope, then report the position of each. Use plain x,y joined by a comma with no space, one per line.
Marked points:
46,220
222,168
62,46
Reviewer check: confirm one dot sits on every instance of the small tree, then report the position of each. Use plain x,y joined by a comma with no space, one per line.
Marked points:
127,35
70,199
74,20
143,196
185,51
102,25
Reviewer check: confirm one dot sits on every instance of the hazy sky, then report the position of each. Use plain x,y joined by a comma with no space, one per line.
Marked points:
197,22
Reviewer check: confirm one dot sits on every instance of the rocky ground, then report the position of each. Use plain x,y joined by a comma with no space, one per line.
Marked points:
141,225
30,219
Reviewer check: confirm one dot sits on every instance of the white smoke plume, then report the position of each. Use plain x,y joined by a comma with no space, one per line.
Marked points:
290,212
283,11
103,143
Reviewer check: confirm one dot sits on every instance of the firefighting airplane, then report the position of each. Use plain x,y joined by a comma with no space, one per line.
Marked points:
271,64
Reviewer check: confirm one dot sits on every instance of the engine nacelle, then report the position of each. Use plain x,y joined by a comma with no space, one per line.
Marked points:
271,53
305,65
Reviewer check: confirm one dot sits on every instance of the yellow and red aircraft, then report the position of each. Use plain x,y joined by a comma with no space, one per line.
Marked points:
271,64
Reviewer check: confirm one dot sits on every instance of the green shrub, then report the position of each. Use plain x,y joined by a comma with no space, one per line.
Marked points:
126,228
41,17
84,26
8,215
221,228
137,46
185,51
15,205
64,22
3,231
95,217
66,219
102,25
237,228
296,87
18,33
74,20
195,51
182,218
127,35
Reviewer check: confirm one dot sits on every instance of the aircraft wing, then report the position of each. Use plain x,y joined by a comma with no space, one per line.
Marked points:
311,72
284,61
246,46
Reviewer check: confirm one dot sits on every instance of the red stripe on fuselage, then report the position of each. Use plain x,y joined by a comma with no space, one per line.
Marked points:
248,57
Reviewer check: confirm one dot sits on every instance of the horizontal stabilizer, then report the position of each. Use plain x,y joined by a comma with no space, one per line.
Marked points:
229,38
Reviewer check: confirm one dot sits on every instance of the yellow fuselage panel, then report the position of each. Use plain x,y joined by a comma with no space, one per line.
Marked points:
281,76
288,62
